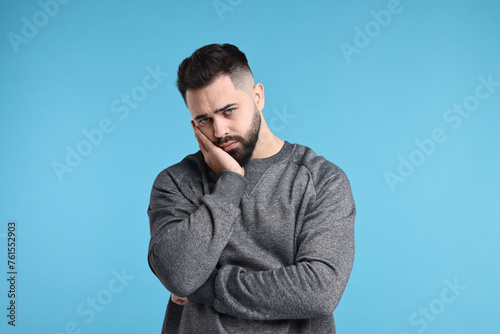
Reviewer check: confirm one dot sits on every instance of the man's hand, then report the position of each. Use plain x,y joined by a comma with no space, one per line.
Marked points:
179,300
215,157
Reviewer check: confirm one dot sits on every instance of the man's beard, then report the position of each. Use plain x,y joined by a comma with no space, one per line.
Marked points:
243,153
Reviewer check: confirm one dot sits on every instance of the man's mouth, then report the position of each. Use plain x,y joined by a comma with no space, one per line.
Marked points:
229,145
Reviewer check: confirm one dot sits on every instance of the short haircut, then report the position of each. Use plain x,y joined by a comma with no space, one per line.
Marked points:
208,63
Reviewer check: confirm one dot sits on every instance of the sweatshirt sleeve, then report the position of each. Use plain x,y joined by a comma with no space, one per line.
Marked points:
187,238
309,288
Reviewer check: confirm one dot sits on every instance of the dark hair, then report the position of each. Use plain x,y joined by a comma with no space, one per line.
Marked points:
209,62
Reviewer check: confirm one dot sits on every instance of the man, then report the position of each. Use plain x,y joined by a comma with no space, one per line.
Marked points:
250,234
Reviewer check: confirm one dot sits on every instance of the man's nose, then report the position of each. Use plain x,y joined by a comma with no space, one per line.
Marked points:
221,128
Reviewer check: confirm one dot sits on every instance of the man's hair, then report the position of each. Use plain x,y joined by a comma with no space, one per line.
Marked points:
208,63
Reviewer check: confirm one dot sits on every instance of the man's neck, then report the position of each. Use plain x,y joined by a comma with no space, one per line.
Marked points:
267,145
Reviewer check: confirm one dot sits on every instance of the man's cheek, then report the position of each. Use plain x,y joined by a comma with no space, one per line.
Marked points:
208,134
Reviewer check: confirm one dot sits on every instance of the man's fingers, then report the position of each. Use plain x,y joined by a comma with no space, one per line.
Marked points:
179,300
206,144
197,131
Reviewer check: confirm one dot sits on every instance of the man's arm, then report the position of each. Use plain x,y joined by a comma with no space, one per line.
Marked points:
311,287
187,239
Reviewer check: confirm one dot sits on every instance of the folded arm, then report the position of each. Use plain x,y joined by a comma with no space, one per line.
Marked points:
187,235
312,286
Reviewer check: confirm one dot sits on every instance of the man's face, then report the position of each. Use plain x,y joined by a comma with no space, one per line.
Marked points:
228,116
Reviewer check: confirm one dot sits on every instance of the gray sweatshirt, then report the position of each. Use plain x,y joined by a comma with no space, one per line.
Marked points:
270,252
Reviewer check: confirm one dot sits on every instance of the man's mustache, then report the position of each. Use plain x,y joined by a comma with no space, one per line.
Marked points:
226,139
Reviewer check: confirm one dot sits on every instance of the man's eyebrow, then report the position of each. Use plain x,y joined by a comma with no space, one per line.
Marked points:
227,106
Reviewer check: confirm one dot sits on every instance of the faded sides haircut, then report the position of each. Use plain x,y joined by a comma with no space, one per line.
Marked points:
208,63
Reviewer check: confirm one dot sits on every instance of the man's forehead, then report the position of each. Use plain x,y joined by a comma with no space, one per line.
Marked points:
215,96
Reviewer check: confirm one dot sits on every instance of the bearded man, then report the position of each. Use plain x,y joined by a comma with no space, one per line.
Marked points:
251,234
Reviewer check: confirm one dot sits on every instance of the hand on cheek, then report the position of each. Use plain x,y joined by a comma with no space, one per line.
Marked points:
215,157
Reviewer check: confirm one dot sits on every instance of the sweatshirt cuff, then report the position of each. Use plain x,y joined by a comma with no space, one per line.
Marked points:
230,186
205,293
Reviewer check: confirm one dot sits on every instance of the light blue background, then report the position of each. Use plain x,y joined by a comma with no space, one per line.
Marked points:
361,111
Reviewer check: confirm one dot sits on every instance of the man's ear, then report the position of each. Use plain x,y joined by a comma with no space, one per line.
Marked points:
258,96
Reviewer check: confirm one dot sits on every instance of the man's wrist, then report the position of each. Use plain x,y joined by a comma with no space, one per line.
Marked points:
206,293
230,186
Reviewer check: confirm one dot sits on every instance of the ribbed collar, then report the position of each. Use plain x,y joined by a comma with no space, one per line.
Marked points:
265,163
255,168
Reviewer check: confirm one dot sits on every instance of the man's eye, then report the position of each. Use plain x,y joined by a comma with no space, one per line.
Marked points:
229,111
204,120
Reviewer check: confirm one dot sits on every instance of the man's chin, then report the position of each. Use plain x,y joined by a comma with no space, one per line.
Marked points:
235,154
